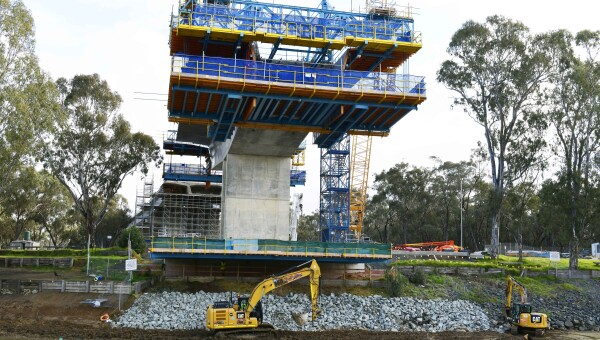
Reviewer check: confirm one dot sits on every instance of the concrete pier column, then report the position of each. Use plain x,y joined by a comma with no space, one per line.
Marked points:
255,197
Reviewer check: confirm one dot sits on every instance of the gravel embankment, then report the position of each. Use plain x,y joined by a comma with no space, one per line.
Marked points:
173,310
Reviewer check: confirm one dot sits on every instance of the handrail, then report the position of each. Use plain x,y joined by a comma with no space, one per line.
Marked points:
395,29
199,245
311,77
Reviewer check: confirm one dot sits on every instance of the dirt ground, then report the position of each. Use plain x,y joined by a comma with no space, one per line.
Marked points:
51,315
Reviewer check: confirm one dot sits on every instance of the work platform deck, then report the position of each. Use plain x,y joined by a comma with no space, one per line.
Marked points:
224,93
190,247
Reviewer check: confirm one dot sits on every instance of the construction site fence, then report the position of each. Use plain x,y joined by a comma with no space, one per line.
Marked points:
106,287
37,262
289,248
297,75
505,248
250,19
108,269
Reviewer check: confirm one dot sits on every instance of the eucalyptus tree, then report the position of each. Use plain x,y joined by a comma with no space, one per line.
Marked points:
404,191
94,150
575,115
118,217
308,227
521,206
497,69
27,95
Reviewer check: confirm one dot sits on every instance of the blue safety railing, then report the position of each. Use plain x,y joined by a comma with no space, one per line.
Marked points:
302,22
297,177
190,172
198,173
298,75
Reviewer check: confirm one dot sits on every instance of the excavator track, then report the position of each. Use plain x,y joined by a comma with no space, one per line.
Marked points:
264,331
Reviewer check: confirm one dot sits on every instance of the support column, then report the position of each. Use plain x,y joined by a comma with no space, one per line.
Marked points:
256,196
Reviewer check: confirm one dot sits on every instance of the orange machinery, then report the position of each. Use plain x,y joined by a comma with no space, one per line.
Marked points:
448,246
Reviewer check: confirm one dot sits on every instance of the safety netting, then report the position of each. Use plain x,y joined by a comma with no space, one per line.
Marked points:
268,247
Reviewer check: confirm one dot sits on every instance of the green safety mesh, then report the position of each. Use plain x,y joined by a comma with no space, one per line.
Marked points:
270,246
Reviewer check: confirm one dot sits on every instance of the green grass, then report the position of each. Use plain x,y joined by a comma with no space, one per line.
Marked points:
529,263
436,279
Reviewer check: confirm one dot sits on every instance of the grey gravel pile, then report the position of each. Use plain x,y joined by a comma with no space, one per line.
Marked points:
172,310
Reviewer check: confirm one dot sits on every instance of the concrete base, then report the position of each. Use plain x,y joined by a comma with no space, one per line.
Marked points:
256,195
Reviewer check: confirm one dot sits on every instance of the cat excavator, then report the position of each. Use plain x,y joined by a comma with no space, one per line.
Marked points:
520,316
246,314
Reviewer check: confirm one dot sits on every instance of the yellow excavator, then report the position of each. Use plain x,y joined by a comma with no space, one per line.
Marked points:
520,316
246,314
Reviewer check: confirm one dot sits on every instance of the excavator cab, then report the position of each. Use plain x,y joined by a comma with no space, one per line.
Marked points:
521,315
257,312
518,309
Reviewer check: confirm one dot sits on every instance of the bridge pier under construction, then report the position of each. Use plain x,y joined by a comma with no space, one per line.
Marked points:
249,83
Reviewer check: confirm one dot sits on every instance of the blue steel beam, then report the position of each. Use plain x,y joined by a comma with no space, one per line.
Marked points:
328,112
384,56
206,39
210,95
196,104
274,50
321,54
304,11
285,109
221,112
238,44
358,54
184,101
235,114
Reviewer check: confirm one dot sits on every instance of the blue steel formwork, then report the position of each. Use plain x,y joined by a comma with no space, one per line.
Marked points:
297,22
335,191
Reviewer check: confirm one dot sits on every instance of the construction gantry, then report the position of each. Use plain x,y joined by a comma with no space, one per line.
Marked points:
244,71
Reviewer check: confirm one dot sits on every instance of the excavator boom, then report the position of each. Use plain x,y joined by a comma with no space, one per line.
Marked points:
520,315
267,285
246,313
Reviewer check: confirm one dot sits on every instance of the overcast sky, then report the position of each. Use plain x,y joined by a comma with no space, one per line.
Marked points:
126,42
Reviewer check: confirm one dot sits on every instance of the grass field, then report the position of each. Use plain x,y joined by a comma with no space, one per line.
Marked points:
529,263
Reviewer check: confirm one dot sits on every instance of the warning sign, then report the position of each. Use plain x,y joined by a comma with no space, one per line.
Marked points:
131,264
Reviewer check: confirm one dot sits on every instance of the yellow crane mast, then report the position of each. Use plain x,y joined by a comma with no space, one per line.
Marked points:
359,177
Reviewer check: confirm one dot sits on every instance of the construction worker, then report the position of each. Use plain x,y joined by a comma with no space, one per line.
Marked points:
223,264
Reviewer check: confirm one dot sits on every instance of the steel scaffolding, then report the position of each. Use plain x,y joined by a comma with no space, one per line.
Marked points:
335,191
143,203
182,210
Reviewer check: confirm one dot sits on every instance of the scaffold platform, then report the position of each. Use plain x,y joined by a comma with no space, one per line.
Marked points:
191,247
225,93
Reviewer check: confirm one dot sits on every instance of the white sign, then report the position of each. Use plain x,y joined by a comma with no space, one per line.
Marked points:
554,256
131,264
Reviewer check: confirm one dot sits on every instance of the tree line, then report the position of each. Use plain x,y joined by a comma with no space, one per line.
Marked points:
65,148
